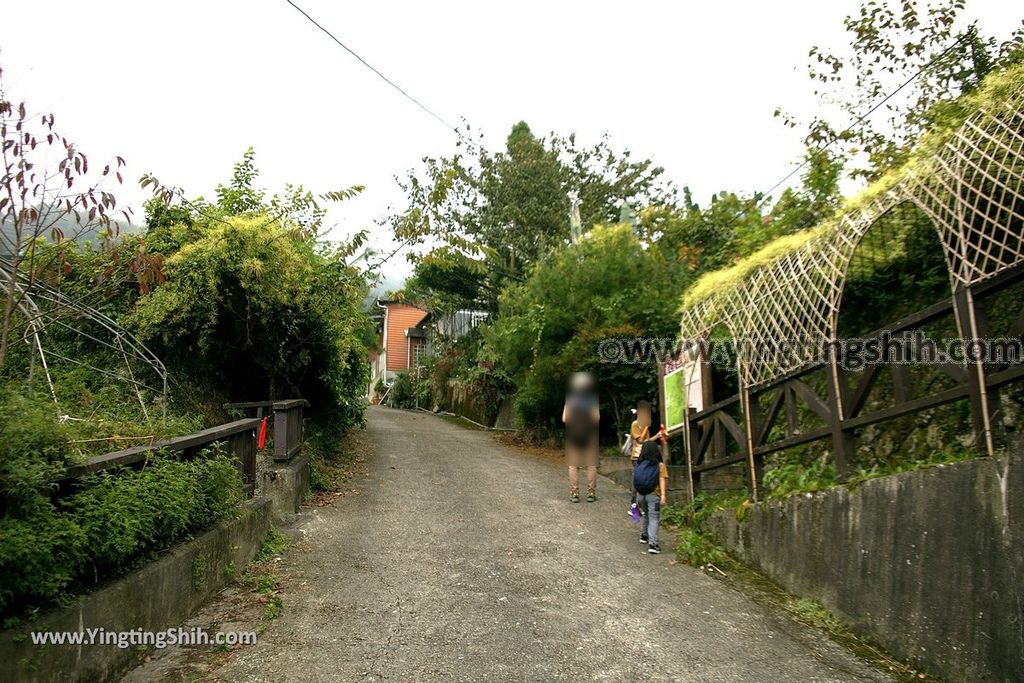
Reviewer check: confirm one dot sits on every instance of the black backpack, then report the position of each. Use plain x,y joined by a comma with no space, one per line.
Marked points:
645,477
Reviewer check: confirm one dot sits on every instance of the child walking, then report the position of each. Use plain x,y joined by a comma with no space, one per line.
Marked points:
650,481
639,432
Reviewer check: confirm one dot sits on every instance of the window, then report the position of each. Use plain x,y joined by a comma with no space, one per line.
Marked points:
419,353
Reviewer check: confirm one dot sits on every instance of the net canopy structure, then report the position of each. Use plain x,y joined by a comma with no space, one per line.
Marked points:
47,314
968,180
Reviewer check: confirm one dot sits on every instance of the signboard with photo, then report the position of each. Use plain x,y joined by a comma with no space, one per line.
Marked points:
681,386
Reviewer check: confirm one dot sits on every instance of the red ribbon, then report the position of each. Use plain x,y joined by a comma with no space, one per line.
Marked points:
261,441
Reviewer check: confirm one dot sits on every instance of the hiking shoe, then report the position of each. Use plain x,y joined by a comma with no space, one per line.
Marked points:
654,549
643,538
591,496
574,496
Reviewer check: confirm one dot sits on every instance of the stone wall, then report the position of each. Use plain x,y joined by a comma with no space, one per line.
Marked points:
930,564
160,596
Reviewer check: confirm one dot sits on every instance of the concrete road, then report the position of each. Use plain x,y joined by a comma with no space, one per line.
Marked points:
463,560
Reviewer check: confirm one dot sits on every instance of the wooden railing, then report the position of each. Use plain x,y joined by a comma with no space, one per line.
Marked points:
765,418
237,438
288,426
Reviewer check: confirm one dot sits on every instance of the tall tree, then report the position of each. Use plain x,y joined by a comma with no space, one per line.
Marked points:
490,216
47,192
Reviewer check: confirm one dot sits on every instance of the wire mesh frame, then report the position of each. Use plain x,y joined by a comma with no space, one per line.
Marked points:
972,189
38,318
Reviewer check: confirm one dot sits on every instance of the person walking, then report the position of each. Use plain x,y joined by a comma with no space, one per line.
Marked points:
650,481
639,432
581,416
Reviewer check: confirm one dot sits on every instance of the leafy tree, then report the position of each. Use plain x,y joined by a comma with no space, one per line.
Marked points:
239,197
47,192
490,216
171,224
447,280
730,227
606,286
269,312
892,42
252,298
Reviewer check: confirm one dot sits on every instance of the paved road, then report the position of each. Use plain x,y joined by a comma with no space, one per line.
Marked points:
463,560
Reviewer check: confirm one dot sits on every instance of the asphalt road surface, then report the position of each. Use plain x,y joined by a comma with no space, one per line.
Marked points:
463,560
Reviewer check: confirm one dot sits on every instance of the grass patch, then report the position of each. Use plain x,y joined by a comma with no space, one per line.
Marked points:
698,549
696,546
812,613
946,456
462,422
262,578
788,478
274,544
266,586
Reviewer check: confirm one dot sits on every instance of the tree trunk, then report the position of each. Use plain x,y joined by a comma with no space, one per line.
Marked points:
616,419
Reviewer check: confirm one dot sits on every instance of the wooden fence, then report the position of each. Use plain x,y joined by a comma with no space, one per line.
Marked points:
287,428
827,400
238,438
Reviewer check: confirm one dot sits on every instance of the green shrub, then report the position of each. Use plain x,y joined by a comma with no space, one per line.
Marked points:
114,521
219,486
696,546
697,549
128,514
949,454
125,512
39,550
411,389
40,555
789,474
33,445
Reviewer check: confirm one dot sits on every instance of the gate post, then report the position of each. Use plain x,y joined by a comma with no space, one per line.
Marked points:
986,415
843,449
750,423
688,436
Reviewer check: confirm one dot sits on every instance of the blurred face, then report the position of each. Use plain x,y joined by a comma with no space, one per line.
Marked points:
581,382
643,415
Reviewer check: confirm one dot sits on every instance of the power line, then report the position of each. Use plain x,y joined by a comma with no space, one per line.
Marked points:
860,119
763,195
404,94
384,78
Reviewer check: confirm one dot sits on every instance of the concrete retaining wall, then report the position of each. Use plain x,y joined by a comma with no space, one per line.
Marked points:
929,563
286,485
159,596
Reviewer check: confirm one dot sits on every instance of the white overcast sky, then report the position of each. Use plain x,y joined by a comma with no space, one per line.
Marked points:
182,89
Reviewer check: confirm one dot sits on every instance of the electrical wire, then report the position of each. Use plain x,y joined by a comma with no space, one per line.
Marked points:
380,75
860,119
760,197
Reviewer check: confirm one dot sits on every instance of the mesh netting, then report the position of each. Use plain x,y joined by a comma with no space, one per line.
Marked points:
972,189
